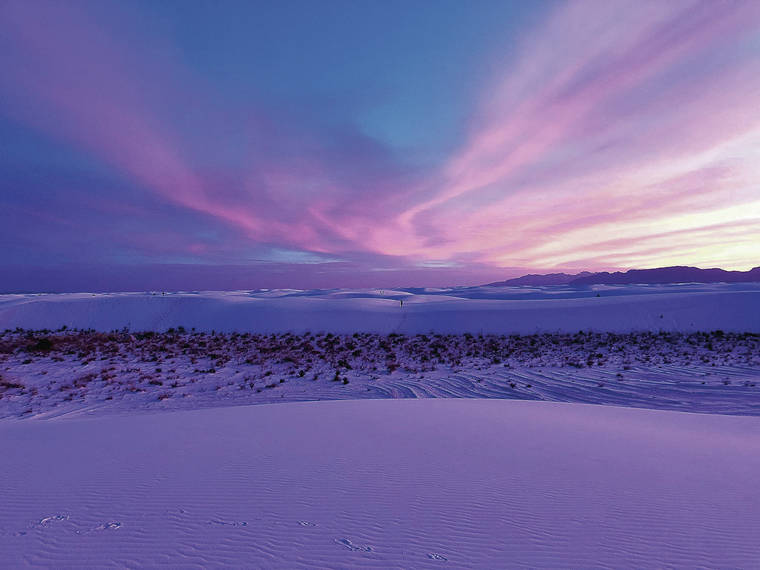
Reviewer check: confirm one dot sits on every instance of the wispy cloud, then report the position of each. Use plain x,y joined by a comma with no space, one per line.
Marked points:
617,119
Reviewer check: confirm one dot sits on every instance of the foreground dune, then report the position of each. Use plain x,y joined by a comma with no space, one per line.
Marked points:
384,484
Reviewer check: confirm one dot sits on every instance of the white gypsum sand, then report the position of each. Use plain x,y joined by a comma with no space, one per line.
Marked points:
521,310
107,459
384,484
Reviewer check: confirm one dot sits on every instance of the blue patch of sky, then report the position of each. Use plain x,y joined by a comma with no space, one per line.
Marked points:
402,72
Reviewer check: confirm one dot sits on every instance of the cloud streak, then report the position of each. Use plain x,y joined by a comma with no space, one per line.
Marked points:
607,126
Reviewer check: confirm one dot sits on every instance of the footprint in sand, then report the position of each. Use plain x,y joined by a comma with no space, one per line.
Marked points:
110,525
434,556
354,547
176,511
307,523
220,522
44,522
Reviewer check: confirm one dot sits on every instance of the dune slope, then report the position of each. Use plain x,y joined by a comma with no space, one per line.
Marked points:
384,484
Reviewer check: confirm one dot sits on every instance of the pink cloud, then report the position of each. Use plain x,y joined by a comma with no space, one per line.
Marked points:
626,169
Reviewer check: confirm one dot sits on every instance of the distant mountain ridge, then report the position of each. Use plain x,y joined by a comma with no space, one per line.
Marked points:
675,274
547,279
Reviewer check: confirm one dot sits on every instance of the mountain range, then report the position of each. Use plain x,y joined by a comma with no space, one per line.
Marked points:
675,274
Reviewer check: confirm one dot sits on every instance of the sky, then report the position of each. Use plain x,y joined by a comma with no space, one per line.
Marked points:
225,145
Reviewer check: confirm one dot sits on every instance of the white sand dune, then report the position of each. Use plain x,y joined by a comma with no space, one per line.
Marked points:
730,307
383,484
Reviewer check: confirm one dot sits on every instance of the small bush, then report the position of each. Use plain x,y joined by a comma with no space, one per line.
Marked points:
42,345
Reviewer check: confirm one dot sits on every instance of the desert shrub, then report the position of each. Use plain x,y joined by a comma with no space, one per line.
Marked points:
42,345
8,385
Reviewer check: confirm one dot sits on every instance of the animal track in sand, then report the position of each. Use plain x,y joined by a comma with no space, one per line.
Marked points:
44,522
221,522
52,518
175,511
110,525
354,547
